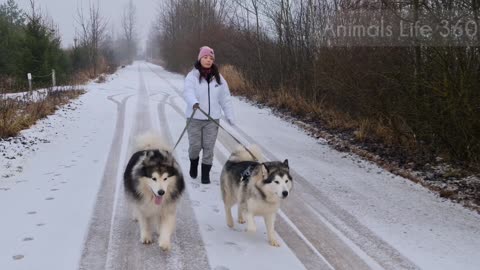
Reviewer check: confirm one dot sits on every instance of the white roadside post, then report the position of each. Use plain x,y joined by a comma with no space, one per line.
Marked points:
54,82
29,77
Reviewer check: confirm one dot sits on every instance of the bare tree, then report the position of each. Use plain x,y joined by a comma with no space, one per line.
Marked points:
253,7
92,30
413,91
129,23
475,9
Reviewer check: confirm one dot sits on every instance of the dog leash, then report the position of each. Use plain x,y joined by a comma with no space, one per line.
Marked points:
218,124
185,129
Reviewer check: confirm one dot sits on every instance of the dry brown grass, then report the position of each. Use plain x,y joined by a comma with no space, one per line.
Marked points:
368,128
81,77
364,130
286,100
236,81
20,114
101,79
85,75
11,84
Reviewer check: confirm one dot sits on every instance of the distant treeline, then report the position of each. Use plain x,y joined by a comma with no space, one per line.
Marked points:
422,98
30,42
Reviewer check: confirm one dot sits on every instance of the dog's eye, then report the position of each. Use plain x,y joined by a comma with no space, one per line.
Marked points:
154,179
286,181
165,179
277,182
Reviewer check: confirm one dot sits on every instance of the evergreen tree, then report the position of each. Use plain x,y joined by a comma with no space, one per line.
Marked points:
12,20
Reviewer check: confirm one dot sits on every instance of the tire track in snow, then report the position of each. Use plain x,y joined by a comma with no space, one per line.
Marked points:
97,240
188,237
125,250
188,250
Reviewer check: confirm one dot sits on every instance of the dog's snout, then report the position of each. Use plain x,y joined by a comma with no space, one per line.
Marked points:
161,192
285,193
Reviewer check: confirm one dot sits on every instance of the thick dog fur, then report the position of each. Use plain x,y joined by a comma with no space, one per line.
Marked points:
257,188
153,184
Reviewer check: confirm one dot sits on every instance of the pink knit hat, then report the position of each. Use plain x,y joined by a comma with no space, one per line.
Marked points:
204,51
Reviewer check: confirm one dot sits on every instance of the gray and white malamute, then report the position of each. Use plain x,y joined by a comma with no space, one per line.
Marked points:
258,188
154,183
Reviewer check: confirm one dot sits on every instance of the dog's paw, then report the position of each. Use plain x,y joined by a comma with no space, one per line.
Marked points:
146,240
241,221
165,246
274,242
229,221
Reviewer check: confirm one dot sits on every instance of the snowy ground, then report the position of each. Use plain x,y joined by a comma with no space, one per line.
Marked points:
63,204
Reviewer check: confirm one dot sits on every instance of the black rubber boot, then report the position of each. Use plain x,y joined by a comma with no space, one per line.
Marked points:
194,167
206,173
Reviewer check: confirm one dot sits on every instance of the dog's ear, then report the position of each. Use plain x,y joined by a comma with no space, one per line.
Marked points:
264,171
146,158
144,172
285,163
168,158
267,169
171,171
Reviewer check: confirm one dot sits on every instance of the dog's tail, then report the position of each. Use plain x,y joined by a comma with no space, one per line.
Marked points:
151,140
241,154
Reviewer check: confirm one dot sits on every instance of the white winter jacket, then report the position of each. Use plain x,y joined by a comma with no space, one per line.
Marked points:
212,97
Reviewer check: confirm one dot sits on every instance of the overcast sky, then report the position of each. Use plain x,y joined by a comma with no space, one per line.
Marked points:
63,13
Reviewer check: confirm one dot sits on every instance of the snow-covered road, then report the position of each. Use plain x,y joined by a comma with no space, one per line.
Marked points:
63,205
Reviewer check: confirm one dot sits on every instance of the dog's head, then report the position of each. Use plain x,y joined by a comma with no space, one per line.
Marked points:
273,179
157,174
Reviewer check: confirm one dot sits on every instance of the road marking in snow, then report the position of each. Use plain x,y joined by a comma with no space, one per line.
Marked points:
96,243
300,234
123,250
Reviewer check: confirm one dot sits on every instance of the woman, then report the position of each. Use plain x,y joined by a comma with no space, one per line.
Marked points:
206,89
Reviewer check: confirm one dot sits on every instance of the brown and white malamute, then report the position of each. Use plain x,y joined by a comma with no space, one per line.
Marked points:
153,184
257,187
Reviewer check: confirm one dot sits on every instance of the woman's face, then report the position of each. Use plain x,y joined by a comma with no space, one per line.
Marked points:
206,61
